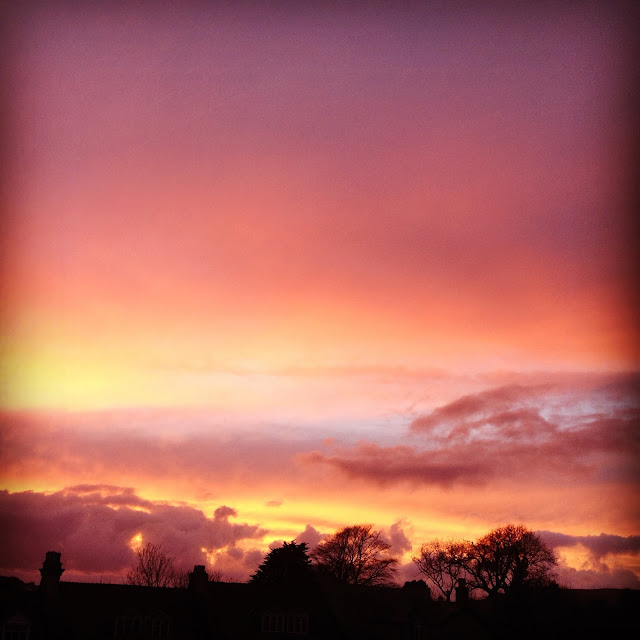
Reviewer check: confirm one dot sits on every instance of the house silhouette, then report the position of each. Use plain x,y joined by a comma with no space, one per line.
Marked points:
312,608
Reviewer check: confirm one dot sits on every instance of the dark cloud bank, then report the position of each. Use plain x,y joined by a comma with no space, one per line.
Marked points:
93,525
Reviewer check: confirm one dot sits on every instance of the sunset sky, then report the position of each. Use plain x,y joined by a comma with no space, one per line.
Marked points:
271,269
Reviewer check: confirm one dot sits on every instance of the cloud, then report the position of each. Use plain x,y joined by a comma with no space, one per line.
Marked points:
118,450
399,542
386,465
603,578
224,513
577,430
518,410
108,495
479,404
80,520
599,546
600,560
311,536
546,432
233,564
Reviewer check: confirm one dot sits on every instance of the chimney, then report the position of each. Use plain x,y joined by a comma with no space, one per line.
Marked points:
50,574
462,593
198,579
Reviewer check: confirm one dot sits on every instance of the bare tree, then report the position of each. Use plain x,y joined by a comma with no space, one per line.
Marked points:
180,579
509,558
442,563
356,555
154,568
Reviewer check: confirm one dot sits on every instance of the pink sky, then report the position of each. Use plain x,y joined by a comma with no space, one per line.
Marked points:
280,269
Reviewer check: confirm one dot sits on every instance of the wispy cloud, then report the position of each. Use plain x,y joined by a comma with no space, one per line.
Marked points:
545,432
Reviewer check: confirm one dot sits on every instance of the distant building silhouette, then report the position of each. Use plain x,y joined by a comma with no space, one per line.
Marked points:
316,609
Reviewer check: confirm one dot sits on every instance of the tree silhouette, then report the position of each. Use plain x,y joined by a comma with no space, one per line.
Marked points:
442,563
287,564
154,568
507,559
356,555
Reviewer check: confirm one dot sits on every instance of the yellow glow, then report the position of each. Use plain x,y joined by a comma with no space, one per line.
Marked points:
579,557
136,542
42,376
117,507
576,557
51,358
210,555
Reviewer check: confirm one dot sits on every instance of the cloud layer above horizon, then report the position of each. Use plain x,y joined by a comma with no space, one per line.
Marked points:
80,519
559,455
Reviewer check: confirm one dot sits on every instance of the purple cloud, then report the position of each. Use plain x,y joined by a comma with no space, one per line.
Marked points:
311,536
474,406
599,546
397,538
80,520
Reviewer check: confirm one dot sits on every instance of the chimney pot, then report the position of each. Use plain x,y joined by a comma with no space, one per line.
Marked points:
50,578
51,567
462,593
198,578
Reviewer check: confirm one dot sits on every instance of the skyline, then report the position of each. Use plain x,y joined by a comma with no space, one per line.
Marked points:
281,269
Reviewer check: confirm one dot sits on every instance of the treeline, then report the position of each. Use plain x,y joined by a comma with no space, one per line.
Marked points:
508,559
